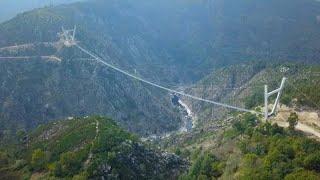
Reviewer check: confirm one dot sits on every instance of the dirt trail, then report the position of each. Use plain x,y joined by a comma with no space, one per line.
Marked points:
53,58
301,127
309,121
87,162
29,45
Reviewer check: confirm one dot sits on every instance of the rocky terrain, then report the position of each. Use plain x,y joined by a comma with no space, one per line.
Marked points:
37,90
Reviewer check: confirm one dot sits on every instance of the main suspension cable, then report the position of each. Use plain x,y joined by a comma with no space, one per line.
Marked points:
162,87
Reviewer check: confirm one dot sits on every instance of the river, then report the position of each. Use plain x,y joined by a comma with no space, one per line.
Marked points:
187,120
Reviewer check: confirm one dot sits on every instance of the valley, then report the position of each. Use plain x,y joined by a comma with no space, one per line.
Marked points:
159,89
187,124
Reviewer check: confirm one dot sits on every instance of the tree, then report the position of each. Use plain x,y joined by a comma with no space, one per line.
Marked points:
70,163
55,169
39,159
206,165
293,120
178,151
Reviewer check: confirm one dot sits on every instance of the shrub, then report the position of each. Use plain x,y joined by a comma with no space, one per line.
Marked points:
19,164
39,160
312,162
286,99
302,175
206,165
82,176
293,120
55,169
4,159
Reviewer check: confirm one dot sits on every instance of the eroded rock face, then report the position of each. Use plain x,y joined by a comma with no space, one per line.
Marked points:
139,163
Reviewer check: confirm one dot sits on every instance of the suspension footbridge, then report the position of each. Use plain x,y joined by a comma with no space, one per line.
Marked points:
160,86
68,39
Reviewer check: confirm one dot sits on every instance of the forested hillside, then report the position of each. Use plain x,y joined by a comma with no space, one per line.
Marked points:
38,90
81,148
243,86
251,149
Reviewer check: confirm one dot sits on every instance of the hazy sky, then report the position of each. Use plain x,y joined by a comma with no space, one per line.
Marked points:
10,8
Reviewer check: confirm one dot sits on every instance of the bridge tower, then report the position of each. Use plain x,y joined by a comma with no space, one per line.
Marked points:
68,36
268,94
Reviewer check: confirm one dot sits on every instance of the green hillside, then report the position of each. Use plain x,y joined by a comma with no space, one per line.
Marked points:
91,147
248,149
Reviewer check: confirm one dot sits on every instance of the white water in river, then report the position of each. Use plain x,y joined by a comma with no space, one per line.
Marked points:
186,107
186,125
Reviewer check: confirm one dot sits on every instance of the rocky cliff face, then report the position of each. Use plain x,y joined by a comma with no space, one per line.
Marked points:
36,90
159,164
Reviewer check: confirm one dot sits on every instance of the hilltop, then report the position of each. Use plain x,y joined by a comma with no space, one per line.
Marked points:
90,147
13,7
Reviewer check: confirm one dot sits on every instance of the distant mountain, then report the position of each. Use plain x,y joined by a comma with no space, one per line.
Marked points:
10,8
92,147
182,40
